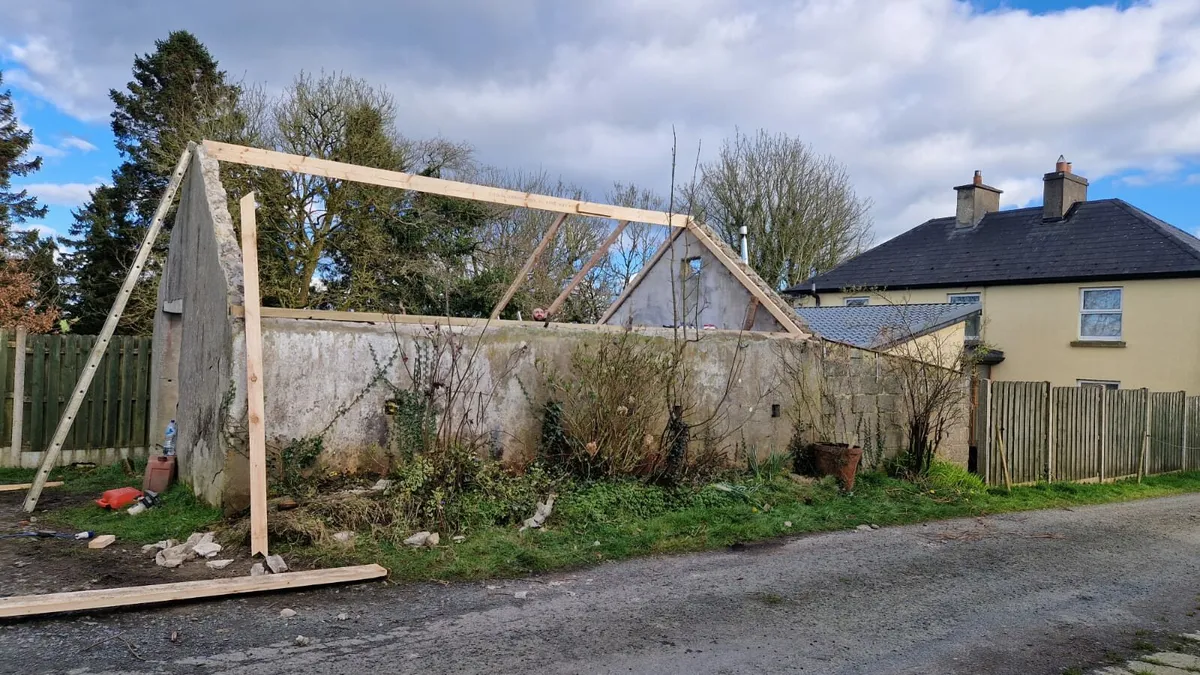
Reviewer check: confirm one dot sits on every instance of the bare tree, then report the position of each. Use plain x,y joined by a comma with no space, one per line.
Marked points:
799,208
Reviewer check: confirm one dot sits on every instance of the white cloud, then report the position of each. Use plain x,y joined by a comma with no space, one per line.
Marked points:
45,151
76,143
69,195
912,95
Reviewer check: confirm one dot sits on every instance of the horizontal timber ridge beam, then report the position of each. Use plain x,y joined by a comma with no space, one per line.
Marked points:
424,320
270,159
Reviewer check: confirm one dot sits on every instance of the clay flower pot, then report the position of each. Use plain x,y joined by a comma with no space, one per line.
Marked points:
838,459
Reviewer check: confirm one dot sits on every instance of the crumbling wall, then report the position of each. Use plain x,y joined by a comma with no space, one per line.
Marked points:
193,362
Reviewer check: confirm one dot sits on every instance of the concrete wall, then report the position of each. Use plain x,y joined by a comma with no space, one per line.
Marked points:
1035,326
716,297
332,379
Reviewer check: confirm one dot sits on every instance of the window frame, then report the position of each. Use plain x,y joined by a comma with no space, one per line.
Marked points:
852,301
1102,384
1119,311
979,320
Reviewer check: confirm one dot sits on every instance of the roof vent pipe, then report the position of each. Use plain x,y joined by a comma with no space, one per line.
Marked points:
745,245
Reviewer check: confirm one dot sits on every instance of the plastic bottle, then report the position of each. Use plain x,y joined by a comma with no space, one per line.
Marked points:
169,442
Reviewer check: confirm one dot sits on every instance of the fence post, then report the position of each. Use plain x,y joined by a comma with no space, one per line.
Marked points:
987,432
1102,443
1141,468
1049,433
18,414
1183,459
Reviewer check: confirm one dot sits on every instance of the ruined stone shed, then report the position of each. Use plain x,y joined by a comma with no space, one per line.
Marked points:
330,374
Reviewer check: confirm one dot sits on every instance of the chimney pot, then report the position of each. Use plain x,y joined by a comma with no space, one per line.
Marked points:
1062,165
978,177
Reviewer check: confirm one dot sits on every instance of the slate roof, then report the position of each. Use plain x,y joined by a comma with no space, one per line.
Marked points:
878,326
1099,240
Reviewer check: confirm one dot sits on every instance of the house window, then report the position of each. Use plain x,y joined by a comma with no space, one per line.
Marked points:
690,274
860,301
1099,384
972,327
1099,314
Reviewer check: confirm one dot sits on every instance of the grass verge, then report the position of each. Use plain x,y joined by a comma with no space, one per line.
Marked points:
573,538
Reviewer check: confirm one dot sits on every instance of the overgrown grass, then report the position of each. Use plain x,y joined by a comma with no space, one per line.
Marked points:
613,521
179,514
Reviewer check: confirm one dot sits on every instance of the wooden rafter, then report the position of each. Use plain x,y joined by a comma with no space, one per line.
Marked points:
529,263
583,271
270,159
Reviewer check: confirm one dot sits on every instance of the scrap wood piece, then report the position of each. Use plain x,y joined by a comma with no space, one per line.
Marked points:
52,603
102,541
255,405
25,486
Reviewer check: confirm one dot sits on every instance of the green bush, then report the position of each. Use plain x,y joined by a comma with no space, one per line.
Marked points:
947,476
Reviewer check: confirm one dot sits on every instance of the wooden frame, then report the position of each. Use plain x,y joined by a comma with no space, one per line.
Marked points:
255,406
583,271
106,333
551,232
270,159
104,598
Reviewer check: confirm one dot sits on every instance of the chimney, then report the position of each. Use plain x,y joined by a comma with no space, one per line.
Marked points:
1062,190
975,200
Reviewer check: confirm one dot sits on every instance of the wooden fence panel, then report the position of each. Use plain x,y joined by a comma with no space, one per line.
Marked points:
1126,420
115,411
1166,432
1077,418
1019,413
1191,451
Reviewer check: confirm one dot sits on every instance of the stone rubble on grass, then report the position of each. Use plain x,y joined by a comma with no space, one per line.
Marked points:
424,539
164,544
256,570
276,564
287,613
218,564
459,538
344,537
787,523
302,641
207,549
863,528
382,485
177,554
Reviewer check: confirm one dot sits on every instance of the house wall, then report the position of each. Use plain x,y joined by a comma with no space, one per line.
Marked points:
942,347
718,299
1035,325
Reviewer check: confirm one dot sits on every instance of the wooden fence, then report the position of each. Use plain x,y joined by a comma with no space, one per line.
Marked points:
113,420
1085,433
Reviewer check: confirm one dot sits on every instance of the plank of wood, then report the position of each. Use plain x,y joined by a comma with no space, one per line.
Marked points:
312,166
1004,459
102,540
551,232
255,407
583,271
412,319
751,314
25,486
106,333
76,601
18,411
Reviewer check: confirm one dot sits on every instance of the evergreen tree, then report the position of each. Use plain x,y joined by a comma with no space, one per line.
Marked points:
177,95
23,299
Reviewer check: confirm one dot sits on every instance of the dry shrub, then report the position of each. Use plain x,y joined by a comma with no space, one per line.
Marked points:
610,408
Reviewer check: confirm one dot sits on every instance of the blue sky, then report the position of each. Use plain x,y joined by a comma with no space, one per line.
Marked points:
888,94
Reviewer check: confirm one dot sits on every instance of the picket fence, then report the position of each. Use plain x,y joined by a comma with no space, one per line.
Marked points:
1085,434
113,420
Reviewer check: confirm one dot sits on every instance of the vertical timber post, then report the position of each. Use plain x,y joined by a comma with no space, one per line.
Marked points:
1049,433
255,406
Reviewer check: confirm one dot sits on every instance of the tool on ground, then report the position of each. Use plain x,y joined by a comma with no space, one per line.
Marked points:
148,500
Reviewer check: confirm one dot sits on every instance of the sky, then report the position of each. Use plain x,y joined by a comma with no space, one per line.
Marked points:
912,96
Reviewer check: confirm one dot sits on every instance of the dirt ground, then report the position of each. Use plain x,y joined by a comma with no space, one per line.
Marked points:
36,565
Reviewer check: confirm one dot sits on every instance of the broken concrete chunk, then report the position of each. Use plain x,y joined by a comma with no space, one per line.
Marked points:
540,514
417,539
170,558
459,538
345,537
381,485
150,548
207,549
256,570
302,641
275,564
863,528
521,595
218,564
787,523
343,616
287,613
433,539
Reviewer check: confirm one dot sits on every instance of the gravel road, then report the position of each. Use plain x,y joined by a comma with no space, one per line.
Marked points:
1025,593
